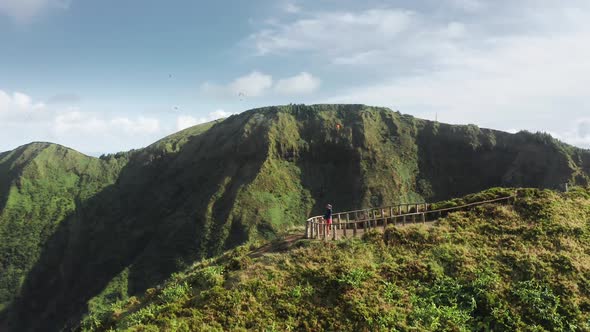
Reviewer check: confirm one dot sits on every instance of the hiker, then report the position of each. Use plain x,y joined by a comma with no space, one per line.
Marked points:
328,218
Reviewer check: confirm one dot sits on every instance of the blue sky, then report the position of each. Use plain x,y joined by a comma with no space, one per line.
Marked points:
104,76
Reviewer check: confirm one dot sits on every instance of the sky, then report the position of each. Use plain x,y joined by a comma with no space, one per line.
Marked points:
112,75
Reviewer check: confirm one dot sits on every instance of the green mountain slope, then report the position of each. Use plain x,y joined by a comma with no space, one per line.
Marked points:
40,184
209,188
523,267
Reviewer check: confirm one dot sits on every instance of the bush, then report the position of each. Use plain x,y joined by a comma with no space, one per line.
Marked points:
174,292
540,306
355,277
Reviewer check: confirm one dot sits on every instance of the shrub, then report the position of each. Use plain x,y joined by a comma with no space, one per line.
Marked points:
355,277
174,292
539,304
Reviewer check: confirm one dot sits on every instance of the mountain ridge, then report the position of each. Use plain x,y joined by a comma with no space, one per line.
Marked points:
211,187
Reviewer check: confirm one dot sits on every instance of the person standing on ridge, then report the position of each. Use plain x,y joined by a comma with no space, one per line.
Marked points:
328,218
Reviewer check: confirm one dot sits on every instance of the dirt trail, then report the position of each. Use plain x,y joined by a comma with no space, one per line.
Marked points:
277,245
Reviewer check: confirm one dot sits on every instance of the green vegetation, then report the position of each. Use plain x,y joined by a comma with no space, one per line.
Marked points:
80,233
523,267
41,185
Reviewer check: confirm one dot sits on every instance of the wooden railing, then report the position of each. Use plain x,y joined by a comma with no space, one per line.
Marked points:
354,223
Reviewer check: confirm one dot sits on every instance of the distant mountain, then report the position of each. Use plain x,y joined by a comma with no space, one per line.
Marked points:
79,231
40,185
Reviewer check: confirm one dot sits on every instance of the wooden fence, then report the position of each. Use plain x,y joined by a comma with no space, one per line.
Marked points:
354,223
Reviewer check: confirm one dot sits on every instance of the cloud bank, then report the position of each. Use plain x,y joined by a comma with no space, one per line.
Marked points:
23,119
186,121
500,64
258,84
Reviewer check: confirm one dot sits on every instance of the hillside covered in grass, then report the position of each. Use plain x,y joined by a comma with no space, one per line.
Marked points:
147,213
44,184
522,267
40,185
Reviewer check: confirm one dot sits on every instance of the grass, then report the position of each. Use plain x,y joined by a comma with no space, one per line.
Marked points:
522,267
49,182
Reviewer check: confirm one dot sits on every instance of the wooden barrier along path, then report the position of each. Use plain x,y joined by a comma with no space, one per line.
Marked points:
355,223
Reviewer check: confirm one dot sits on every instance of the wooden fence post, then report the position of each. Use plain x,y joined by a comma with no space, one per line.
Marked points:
315,229
334,231
319,231
346,225
376,218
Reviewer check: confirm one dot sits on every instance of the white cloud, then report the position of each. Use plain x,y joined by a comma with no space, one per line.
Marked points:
218,114
21,100
254,84
579,135
299,84
291,8
74,122
186,121
398,38
510,67
455,30
138,126
583,129
334,33
98,130
257,84
25,10
5,101
17,106
23,120
98,133
522,80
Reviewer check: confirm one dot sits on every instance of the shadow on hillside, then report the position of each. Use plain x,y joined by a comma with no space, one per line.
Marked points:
330,167
331,175
458,160
153,221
